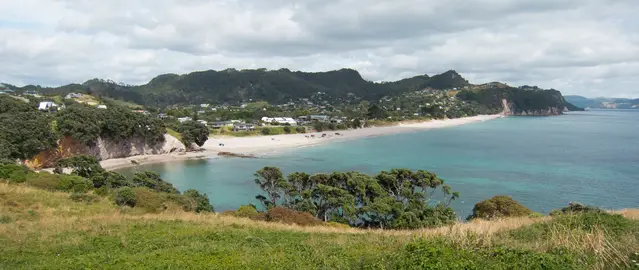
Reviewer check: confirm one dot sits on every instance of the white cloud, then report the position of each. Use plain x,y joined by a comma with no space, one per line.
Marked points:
588,47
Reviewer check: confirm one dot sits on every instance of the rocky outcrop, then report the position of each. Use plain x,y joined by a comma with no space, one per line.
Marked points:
107,149
510,110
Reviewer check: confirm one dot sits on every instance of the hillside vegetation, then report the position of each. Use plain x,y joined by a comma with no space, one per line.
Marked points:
48,230
281,86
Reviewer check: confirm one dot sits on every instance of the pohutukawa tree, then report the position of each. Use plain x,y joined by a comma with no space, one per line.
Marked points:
399,198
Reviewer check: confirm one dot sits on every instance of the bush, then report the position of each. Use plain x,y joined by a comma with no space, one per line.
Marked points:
14,173
573,208
337,225
287,130
246,211
73,183
188,204
265,131
153,181
43,180
201,200
151,201
288,216
125,196
497,207
83,197
300,130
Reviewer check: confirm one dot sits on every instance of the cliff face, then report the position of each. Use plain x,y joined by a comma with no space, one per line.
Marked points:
107,149
509,109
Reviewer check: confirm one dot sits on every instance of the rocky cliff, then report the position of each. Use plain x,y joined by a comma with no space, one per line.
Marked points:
509,109
107,149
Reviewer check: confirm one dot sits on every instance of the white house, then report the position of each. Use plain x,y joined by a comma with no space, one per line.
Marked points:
102,106
280,120
205,105
202,122
184,119
47,105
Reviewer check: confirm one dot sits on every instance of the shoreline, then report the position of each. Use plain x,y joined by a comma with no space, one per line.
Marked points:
266,145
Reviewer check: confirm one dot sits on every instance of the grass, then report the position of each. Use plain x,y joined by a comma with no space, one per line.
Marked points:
48,230
174,133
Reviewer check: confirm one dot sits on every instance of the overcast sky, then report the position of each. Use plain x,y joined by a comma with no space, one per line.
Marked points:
587,47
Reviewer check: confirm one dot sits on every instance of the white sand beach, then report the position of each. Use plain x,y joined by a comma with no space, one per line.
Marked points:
258,145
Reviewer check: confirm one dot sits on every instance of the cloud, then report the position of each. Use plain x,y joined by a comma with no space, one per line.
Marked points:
588,47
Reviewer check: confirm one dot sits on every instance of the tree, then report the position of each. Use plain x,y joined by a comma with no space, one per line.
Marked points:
498,207
193,132
201,199
153,181
125,196
81,165
80,122
375,112
287,129
396,199
272,182
25,134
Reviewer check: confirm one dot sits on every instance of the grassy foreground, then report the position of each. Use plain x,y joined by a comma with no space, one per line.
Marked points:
47,230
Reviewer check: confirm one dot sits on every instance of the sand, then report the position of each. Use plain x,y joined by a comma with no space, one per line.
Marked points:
262,145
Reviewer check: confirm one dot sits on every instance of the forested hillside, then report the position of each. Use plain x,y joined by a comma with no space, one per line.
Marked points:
274,86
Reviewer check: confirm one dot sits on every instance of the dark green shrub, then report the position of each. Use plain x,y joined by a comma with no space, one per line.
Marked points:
287,129
300,130
265,131
102,191
498,207
201,199
153,181
574,208
125,196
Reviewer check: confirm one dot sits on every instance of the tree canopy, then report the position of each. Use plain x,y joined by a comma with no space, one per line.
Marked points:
399,198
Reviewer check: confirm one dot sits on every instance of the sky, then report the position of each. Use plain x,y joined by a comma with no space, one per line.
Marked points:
586,47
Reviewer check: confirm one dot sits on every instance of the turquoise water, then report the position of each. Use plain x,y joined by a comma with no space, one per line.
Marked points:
544,162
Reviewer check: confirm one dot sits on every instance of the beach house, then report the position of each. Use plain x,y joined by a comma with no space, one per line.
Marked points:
47,105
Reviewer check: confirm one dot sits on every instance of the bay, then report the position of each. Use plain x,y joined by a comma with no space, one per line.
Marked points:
590,157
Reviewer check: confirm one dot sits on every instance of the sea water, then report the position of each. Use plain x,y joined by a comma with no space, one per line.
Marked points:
590,157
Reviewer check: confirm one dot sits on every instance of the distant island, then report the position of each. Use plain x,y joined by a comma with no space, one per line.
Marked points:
603,102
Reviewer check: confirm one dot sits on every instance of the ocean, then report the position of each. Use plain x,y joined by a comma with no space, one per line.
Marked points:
590,157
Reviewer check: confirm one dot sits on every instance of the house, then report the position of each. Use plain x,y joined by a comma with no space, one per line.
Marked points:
243,127
47,105
319,118
205,105
202,122
102,106
162,116
280,120
73,95
184,119
221,124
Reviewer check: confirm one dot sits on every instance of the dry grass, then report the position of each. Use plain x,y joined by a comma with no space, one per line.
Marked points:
628,213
